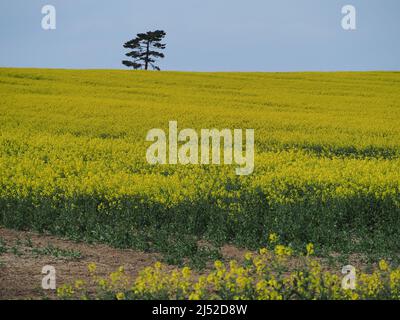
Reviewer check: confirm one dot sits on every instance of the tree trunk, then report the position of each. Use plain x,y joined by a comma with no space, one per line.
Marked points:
146,63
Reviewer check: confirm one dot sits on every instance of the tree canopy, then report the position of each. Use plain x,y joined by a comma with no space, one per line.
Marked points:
145,50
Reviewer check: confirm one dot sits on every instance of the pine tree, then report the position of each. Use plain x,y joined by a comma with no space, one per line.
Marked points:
144,48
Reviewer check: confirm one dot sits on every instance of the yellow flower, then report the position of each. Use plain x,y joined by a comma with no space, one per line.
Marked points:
194,296
79,284
102,283
218,265
259,263
242,282
273,238
120,296
261,285
281,250
92,267
158,265
354,295
186,272
383,266
395,284
310,249
65,291
248,256
263,251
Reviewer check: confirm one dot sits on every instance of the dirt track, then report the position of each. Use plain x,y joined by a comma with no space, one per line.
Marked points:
23,255
21,264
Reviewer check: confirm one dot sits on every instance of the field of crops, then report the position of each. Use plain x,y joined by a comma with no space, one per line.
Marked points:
327,160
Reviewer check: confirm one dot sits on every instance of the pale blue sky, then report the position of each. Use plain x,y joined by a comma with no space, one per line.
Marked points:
205,35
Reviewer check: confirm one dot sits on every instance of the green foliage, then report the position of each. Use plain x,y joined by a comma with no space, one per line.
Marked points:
72,160
3,246
144,48
50,250
262,276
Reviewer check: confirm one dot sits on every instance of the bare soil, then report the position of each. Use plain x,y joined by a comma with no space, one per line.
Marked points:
24,254
21,264
21,268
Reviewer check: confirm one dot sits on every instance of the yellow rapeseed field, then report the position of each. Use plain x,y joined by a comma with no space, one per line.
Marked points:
327,158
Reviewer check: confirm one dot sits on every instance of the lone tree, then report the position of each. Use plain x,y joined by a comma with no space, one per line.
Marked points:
144,48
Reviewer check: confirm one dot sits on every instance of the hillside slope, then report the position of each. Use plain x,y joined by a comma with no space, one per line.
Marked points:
73,159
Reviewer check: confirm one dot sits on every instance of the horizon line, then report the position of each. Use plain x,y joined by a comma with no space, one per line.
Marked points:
204,71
